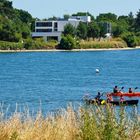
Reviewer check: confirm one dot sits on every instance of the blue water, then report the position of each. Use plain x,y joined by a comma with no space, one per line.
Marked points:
51,80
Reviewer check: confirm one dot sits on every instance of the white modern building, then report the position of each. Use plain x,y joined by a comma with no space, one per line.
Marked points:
52,29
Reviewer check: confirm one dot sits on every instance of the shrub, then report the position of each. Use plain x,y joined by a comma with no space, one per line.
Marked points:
130,39
67,43
4,45
39,43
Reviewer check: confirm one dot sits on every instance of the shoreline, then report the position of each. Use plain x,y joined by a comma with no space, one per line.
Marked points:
74,50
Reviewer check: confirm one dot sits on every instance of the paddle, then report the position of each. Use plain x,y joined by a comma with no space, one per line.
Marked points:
135,89
121,89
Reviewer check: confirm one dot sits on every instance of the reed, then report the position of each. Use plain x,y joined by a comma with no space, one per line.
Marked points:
102,44
85,123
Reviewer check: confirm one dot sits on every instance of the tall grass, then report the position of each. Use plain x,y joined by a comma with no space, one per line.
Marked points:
92,123
102,44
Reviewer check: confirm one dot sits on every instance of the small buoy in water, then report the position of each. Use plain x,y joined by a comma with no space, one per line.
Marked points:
97,70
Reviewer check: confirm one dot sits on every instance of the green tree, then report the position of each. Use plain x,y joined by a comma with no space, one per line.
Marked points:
14,24
137,22
66,16
120,27
82,30
67,43
24,16
93,30
105,27
131,19
107,17
130,39
69,29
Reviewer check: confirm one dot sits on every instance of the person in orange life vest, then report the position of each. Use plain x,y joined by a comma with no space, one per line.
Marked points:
130,90
115,89
109,98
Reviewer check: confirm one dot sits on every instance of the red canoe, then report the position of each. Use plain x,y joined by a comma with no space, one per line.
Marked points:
135,94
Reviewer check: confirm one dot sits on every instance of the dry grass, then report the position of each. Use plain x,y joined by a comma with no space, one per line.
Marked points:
98,123
113,43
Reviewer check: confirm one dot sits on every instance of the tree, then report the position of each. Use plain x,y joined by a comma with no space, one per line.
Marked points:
82,30
105,27
24,16
93,30
131,19
67,43
69,29
120,27
137,21
66,16
107,17
130,39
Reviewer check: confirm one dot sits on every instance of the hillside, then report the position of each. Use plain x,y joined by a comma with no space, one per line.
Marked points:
15,24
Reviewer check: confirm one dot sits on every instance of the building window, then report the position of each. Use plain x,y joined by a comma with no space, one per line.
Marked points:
43,24
43,30
55,25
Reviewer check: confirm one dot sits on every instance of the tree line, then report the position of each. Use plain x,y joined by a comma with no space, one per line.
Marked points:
16,26
124,27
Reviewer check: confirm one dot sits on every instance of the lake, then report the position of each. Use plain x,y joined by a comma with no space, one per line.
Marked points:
51,80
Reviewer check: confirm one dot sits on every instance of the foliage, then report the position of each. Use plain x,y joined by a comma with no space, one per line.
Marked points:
67,43
28,44
119,28
24,16
39,43
107,17
14,24
69,29
93,30
105,43
137,21
104,28
85,123
82,30
66,16
130,39
4,45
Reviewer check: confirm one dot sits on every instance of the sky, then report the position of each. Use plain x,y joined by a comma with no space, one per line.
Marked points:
48,8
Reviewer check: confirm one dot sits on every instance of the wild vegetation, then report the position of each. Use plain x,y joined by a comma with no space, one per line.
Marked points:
124,27
98,122
16,26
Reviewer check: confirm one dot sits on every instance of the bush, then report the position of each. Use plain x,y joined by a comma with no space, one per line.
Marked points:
67,43
39,43
138,40
4,45
130,39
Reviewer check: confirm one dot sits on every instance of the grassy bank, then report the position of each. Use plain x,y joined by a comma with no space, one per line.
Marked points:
102,44
40,44
28,44
99,123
